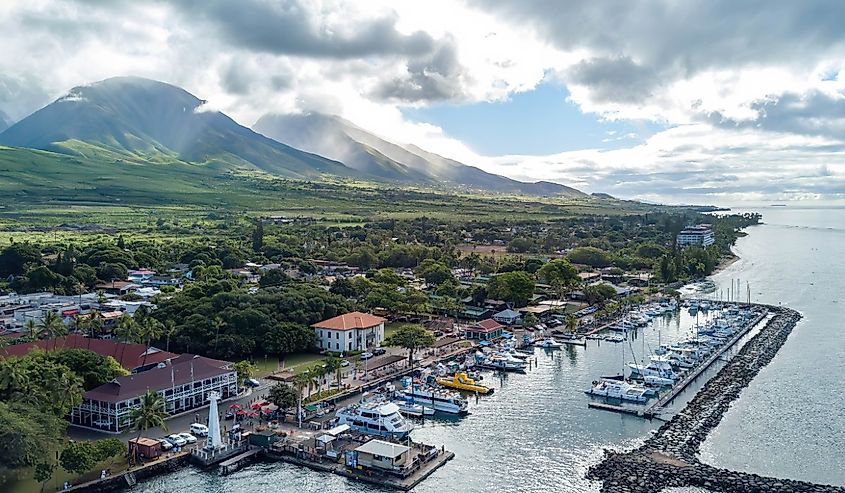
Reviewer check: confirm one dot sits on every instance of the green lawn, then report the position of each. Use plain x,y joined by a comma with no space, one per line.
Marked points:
29,485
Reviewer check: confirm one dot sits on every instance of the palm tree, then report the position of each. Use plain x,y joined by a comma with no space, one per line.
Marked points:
64,390
332,366
31,329
148,415
53,326
126,331
169,330
151,330
301,381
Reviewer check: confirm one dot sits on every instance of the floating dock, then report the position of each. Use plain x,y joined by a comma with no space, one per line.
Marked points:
231,465
657,407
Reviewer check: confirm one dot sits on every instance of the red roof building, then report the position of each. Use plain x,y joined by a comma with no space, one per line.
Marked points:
354,331
485,330
130,356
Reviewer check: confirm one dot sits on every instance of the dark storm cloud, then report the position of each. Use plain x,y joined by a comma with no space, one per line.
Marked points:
437,77
289,27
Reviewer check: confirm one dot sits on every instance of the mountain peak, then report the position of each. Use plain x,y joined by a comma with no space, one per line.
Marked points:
136,118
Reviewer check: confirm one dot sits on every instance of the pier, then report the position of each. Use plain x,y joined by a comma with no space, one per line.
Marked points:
669,458
231,465
691,376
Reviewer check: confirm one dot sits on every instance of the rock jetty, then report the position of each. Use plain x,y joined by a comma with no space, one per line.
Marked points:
669,458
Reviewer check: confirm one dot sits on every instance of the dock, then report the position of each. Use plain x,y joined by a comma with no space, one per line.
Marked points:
614,408
231,465
389,481
657,407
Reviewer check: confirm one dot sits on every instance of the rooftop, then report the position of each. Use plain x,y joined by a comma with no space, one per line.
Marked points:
382,448
488,325
350,321
128,355
177,371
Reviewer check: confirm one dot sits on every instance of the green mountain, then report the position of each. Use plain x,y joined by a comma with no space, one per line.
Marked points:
339,139
141,120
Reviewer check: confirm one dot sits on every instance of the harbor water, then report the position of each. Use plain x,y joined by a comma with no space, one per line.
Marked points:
536,433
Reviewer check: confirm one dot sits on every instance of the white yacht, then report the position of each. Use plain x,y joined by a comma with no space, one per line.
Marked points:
440,400
375,417
548,344
659,366
617,389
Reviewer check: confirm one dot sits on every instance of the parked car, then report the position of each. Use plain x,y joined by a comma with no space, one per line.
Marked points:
252,382
379,351
177,440
165,443
344,363
188,437
199,430
365,356
229,415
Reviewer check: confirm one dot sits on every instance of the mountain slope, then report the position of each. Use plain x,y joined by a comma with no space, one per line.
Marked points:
147,120
340,139
5,121
327,136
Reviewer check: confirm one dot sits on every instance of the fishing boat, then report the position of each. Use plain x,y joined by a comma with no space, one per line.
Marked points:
659,366
462,381
502,363
616,389
614,339
375,417
440,400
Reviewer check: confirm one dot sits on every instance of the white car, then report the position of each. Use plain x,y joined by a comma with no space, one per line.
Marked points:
365,356
165,443
199,429
177,440
188,437
344,363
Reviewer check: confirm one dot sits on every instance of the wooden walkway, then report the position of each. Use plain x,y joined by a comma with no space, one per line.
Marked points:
235,463
657,407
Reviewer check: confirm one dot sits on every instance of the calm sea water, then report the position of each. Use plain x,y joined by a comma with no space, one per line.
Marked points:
535,433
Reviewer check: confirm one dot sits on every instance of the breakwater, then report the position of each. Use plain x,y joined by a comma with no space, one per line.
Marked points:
669,458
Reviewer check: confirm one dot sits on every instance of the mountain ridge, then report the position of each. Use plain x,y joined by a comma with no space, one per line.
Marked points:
340,139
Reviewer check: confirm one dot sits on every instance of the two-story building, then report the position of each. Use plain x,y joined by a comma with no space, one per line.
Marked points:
184,382
354,331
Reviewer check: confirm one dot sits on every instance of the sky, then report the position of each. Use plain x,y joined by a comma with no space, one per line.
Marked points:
672,101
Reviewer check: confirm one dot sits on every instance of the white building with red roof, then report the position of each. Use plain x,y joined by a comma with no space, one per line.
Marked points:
354,331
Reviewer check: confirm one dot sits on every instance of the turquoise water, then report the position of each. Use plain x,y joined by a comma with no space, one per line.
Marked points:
535,433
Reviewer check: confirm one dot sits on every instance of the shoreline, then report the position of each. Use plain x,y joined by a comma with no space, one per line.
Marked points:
724,263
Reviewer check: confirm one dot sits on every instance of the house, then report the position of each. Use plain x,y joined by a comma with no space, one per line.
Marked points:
133,357
508,317
700,235
184,382
354,331
383,456
542,311
117,288
475,313
485,330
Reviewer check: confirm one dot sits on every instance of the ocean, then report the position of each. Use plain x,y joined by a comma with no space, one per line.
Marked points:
535,433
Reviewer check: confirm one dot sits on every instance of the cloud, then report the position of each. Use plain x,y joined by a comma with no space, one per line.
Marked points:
436,77
291,27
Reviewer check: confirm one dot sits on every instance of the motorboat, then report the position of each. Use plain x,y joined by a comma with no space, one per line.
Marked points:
659,366
439,399
614,339
375,417
462,381
548,344
413,410
500,362
616,389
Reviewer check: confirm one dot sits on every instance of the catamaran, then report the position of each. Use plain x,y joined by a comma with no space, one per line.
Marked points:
375,417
